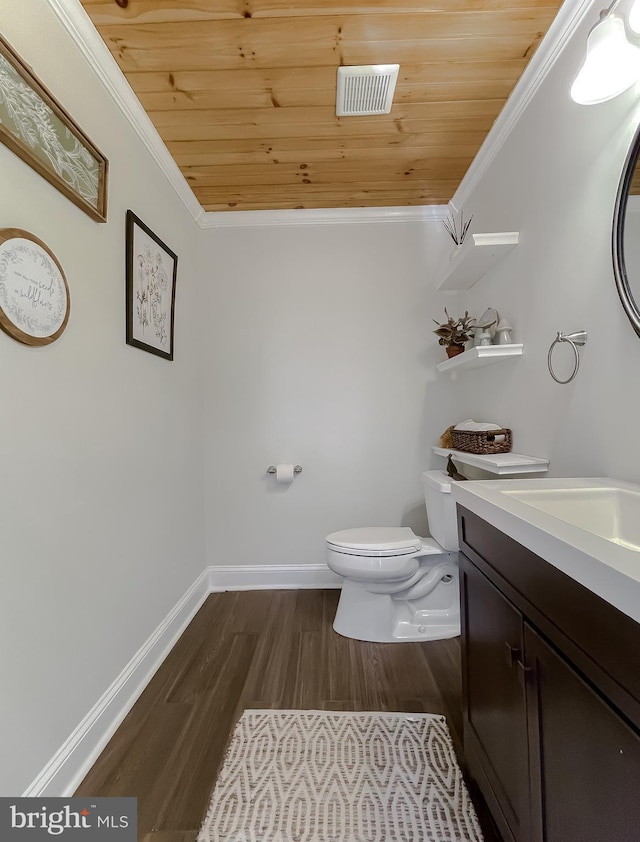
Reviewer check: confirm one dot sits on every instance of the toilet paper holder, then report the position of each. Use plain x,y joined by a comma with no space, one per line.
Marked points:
272,469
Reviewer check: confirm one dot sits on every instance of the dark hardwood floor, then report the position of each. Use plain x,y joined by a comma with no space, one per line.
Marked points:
257,649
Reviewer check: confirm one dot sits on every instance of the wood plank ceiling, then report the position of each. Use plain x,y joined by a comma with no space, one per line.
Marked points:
243,92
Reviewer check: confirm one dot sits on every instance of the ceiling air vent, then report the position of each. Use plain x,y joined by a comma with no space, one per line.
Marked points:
367,89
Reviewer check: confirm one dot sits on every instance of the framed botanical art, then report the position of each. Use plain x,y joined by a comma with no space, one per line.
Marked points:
34,296
38,129
151,289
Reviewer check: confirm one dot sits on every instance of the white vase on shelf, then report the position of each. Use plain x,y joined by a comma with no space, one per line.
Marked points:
503,333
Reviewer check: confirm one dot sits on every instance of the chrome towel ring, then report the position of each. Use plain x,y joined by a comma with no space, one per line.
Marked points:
576,339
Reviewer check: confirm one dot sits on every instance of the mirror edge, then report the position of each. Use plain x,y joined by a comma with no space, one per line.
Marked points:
629,304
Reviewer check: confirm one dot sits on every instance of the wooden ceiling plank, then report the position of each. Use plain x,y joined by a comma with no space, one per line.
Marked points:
341,201
187,160
364,190
107,12
291,187
285,81
507,48
412,165
386,134
265,176
396,144
132,56
300,97
285,8
196,173
228,159
442,25
325,115
253,33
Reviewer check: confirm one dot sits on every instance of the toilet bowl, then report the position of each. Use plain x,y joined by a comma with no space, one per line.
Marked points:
397,586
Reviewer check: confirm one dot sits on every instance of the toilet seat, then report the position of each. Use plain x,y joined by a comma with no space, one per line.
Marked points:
395,568
375,541
379,553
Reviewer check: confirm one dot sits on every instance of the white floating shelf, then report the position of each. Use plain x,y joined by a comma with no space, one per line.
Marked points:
481,355
503,464
475,257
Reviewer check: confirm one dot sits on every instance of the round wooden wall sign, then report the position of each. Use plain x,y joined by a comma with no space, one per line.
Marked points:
34,296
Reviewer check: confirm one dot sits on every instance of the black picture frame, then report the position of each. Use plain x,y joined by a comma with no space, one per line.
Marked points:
151,272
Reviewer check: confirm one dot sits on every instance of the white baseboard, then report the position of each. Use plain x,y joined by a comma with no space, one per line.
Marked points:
66,769
272,577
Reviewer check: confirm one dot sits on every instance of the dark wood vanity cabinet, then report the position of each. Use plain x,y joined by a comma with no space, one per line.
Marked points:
551,700
495,712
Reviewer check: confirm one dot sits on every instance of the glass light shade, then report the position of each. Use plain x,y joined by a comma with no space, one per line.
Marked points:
634,17
611,66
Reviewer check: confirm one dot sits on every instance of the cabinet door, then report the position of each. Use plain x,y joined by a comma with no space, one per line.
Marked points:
585,757
495,718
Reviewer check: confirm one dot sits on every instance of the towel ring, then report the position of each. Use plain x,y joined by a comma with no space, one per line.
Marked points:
574,339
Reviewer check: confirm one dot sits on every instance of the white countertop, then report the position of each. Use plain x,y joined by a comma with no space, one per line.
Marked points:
608,569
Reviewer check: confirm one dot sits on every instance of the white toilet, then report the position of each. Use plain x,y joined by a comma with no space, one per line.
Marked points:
399,587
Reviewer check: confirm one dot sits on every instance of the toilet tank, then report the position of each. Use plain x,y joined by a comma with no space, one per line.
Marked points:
441,509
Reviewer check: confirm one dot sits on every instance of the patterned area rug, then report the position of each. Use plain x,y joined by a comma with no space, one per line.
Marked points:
298,776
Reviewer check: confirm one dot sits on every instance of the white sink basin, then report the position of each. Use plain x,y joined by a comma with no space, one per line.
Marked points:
611,513
587,527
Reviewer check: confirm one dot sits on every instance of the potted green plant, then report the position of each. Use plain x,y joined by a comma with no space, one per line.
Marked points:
454,333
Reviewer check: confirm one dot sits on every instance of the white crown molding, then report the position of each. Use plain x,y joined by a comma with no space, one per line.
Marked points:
79,26
568,19
271,577
321,216
66,769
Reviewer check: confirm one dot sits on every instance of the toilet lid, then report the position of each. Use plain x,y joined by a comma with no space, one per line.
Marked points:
376,541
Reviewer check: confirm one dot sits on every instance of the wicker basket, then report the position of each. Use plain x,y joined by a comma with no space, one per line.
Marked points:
481,441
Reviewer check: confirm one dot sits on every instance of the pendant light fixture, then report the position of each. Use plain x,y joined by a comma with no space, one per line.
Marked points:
611,65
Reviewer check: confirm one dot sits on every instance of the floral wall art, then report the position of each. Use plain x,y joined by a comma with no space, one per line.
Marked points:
151,289
36,127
